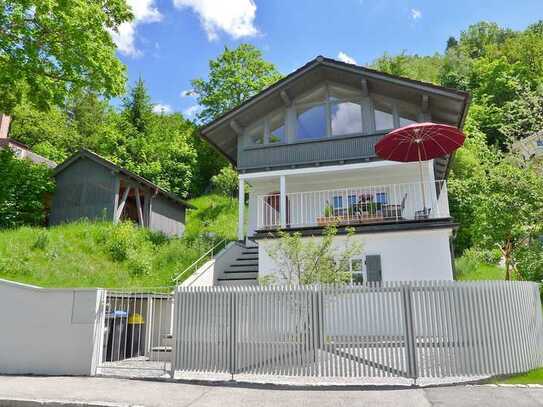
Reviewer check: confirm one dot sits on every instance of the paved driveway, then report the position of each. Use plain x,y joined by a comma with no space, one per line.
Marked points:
123,392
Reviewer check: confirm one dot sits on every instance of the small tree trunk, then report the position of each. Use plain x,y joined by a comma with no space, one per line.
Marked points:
507,251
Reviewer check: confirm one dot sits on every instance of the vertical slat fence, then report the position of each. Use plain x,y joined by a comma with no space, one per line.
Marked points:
394,329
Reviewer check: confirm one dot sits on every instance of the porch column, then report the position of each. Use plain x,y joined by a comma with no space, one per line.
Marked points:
283,201
241,209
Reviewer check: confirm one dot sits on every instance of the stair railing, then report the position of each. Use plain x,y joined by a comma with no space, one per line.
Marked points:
199,261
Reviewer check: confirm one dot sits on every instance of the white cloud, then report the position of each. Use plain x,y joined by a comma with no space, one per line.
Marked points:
191,111
415,14
234,17
342,56
144,12
188,93
160,108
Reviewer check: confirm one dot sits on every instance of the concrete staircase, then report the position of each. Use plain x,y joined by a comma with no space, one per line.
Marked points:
243,270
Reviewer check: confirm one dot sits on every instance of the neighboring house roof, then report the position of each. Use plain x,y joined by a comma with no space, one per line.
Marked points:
84,153
23,151
531,146
451,104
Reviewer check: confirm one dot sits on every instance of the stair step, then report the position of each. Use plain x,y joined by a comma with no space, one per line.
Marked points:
241,271
238,279
247,258
243,264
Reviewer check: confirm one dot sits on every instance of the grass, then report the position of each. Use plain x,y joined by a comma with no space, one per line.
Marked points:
532,377
100,254
468,269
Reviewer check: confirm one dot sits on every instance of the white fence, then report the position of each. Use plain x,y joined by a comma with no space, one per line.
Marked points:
361,205
415,329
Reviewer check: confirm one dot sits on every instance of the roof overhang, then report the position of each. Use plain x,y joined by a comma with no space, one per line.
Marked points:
446,105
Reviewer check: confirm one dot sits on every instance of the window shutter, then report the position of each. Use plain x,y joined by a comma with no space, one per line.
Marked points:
373,268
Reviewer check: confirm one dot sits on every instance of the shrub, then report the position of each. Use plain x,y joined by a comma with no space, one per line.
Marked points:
529,261
23,186
226,182
138,263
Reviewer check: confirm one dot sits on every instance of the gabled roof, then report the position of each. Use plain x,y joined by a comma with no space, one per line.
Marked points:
84,153
451,104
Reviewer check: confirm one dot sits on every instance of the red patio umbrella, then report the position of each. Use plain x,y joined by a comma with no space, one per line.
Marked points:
419,142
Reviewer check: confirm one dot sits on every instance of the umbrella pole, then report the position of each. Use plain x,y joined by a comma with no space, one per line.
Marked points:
421,180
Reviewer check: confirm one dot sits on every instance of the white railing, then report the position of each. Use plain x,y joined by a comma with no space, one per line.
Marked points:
200,261
355,206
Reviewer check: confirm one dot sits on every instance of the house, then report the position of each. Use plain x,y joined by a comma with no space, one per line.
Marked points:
20,150
306,148
90,187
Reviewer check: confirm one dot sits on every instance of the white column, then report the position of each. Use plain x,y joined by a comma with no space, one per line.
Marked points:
241,209
283,201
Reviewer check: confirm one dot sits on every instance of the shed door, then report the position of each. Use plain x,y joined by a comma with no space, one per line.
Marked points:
373,268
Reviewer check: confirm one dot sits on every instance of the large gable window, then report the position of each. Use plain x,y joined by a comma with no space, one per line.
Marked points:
270,130
328,111
383,114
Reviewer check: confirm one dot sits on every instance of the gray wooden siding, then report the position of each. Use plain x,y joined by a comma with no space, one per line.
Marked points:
359,147
167,217
85,190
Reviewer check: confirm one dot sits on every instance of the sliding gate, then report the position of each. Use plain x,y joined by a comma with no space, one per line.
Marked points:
419,329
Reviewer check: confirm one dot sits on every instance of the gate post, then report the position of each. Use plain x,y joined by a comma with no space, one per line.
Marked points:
175,317
233,339
410,341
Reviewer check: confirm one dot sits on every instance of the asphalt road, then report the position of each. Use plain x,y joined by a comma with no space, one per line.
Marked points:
81,391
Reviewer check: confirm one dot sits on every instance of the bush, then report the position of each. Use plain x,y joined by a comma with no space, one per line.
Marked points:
226,182
529,261
23,186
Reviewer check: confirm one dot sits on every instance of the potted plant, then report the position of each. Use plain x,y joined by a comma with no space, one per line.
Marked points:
328,217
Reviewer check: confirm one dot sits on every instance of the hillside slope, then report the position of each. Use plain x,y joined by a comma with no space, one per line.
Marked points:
100,254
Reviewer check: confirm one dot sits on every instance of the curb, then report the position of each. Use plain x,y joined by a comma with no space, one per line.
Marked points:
17,402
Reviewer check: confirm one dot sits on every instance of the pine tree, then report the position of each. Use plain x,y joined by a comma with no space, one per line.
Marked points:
138,109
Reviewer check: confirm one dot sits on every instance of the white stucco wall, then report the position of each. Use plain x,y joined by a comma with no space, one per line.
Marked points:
49,331
407,255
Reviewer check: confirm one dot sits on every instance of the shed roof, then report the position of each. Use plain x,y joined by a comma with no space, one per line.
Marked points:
450,104
84,153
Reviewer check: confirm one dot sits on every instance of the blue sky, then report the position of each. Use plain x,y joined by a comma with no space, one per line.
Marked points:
171,41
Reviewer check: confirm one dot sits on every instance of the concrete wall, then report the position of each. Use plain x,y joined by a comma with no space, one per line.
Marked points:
49,331
167,217
409,255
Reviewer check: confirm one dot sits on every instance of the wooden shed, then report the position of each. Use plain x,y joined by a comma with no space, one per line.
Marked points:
91,187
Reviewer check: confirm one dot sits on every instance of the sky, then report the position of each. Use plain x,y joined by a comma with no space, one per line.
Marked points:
170,42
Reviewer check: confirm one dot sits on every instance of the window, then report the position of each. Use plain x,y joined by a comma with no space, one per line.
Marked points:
256,135
406,117
381,197
352,199
311,122
346,118
270,130
338,202
384,117
277,128
357,270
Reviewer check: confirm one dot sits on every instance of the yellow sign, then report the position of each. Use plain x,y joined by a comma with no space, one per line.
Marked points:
135,319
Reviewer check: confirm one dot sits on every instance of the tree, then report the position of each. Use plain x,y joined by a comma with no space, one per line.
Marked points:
138,108
508,210
50,48
303,261
226,181
235,76
23,186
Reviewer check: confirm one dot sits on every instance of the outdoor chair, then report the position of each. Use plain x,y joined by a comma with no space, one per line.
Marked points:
394,211
423,214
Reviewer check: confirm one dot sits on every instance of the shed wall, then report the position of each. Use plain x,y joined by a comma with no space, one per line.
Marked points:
84,190
167,217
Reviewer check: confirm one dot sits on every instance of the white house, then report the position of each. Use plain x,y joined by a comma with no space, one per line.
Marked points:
306,148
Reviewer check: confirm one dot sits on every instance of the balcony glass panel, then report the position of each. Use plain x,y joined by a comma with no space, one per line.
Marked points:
277,128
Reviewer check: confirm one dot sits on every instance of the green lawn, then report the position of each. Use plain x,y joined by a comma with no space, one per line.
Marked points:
532,377
481,272
100,254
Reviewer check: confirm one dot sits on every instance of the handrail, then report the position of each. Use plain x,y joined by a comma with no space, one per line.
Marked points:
197,261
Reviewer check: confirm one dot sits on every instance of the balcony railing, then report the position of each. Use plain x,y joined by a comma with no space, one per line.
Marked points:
355,206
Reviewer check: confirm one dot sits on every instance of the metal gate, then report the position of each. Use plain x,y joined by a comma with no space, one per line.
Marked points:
137,332
395,329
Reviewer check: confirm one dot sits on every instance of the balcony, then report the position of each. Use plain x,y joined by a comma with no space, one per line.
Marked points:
354,206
